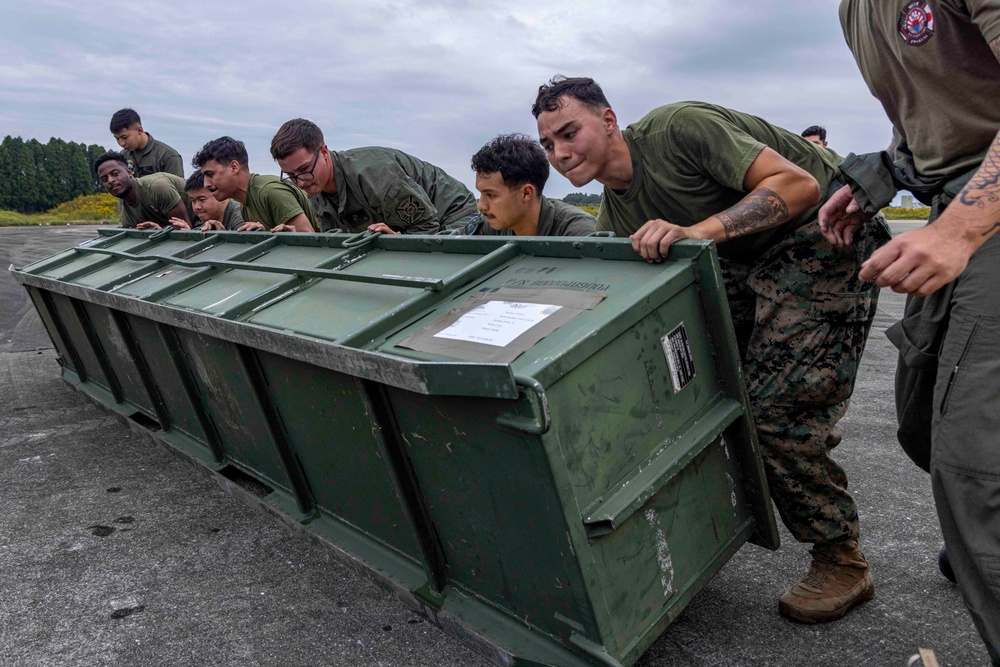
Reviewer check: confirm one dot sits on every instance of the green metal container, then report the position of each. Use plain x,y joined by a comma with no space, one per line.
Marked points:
543,445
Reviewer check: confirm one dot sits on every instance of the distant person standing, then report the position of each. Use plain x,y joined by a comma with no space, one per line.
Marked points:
935,68
815,134
143,154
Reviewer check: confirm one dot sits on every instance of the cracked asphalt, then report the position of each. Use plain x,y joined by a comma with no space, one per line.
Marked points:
114,552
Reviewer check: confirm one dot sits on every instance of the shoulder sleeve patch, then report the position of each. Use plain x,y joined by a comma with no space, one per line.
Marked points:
409,209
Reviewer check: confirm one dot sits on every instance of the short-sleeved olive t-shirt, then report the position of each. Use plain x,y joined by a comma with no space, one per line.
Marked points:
555,218
688,164
154,158
930,64
232,217
376,184
272,202
156,195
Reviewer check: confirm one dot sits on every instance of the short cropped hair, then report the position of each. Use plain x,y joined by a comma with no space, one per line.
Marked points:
583,89
110,156
124,119
223,150
195,181
518,158
295,134
815,130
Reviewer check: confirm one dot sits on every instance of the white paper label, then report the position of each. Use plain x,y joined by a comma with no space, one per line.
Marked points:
497,323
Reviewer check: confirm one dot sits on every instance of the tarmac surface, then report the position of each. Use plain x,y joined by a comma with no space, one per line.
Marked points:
114,552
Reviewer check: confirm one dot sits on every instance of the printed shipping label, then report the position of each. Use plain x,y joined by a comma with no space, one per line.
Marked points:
677,349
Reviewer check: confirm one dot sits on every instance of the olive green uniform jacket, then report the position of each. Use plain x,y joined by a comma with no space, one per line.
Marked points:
377,184
154,158
555,218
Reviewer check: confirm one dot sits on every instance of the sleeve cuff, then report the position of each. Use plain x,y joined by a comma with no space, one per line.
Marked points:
871,179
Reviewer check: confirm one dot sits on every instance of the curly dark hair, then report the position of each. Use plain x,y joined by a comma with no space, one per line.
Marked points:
518,158
584,89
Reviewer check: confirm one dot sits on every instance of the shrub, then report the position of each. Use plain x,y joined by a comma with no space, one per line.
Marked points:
94,208
898,213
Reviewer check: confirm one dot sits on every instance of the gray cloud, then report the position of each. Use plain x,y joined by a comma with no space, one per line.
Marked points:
437,79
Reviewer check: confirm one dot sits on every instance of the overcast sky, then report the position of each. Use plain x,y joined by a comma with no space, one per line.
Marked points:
435,79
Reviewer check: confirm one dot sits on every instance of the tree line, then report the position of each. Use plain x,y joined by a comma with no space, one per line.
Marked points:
34,177
578,198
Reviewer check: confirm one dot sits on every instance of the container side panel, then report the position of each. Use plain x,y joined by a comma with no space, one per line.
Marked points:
494,505
646,565
230,400
85,351
119,357
163,370
339,443
50,326
621,404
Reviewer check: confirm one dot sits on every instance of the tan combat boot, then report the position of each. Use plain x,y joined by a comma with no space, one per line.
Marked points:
839,579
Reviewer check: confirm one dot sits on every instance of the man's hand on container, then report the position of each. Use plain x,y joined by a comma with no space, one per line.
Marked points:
653,239
381,228
213,226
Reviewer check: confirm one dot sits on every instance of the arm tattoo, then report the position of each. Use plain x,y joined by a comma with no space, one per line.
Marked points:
984,188
759,210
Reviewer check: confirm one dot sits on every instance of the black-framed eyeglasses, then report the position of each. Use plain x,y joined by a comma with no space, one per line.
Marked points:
304,176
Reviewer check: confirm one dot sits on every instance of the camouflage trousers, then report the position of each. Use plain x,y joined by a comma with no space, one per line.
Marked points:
802,318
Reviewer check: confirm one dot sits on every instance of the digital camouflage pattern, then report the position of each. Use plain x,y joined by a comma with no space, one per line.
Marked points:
802,318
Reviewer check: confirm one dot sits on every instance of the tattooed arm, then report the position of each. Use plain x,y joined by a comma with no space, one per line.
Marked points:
924,260
777,191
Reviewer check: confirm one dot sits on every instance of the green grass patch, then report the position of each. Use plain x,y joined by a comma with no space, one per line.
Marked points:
84,210
897,213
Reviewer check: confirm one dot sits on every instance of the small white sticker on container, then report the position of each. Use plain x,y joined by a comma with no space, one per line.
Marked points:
680,361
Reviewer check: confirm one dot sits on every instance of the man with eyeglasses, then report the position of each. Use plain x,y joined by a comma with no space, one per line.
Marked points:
268,202
373,188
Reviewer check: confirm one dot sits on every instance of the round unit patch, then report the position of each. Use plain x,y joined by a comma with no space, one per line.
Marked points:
410,210
916,23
